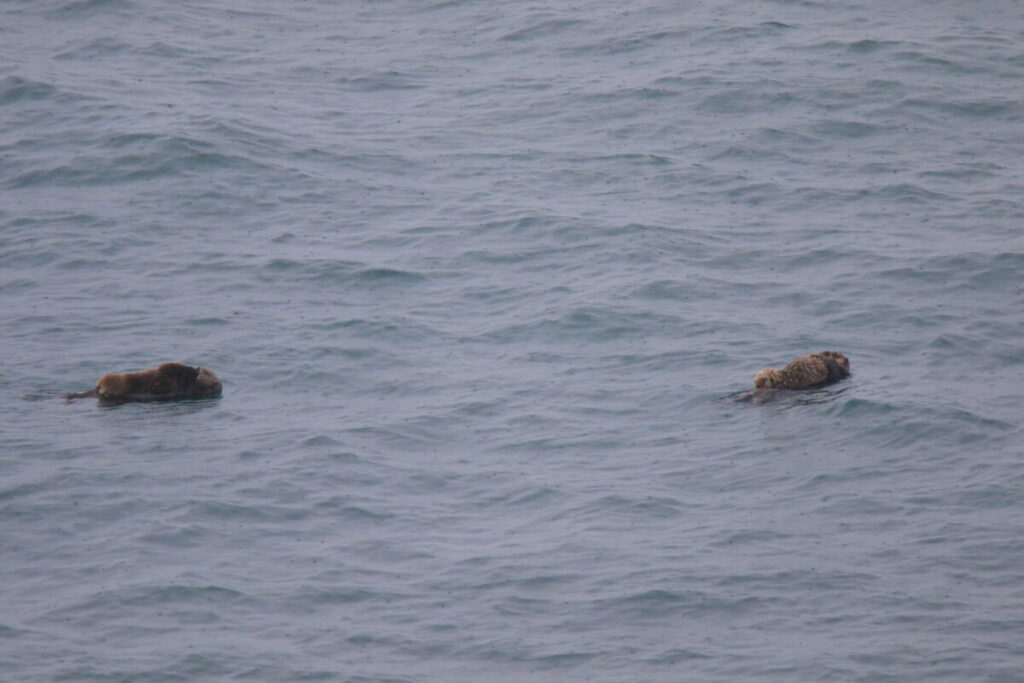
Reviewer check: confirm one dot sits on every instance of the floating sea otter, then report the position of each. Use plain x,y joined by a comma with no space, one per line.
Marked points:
163,383
806,372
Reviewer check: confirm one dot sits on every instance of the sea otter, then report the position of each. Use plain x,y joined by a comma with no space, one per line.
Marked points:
806,372
163,383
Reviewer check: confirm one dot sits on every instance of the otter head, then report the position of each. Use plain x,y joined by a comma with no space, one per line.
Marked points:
193,382
767,378
207,382
841,361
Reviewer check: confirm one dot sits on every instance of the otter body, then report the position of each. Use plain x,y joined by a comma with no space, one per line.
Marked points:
163,383
806,372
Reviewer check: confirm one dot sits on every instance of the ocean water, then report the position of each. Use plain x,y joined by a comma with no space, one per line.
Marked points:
482,281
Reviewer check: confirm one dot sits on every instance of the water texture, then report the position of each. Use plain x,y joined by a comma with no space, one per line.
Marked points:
481,280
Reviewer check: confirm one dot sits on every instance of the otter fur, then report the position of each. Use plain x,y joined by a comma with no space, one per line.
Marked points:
806,372
166,382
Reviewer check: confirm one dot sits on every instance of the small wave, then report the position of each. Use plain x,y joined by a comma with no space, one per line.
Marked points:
541,28
529,497
819,258
867,45
961,172
317,597
907,193
17,286
860,407
667,290
99,48
561,660
969,271
91,7
1008,110
659,602
845,130
388,275
674,656
133,158
340,272
214,510
613,45
742,33
749,99
382,81
319,441
341,507
591,324
206,321
392,330
894,426
15,89
163,51
160,596
917,60
9,632
177,536
748,536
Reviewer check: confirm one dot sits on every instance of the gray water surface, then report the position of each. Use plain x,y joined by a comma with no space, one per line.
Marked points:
481,281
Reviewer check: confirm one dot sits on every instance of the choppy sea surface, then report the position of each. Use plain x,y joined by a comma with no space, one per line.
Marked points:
482,281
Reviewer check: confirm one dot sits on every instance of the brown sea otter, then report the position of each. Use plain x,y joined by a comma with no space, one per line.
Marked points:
806,372
163,383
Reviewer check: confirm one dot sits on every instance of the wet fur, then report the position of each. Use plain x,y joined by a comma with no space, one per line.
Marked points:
806,372
168,381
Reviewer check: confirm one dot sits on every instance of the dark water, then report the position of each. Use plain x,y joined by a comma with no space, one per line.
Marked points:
480,280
